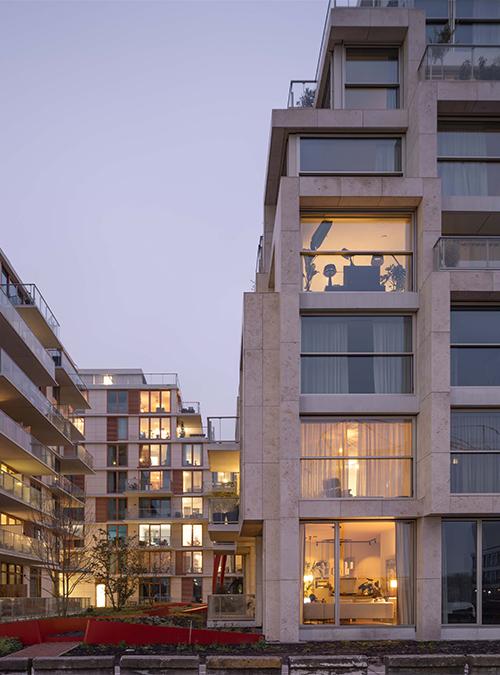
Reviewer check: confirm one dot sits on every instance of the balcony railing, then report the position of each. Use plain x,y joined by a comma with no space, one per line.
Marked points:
61,361
19,543
29,295
132,379
224,511
22,490
13,431
138,485
190,407
16,608
461,62
231,607
371,4
63,483
78,452
468,253
302,93
223,429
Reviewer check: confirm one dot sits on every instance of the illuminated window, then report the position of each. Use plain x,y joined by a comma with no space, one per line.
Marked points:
192,507
154,428
192,535
154,455
154,534
192,562
192,481
192,454
155,402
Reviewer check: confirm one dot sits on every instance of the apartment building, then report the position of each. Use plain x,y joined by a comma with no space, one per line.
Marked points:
370,376
42,462
167,481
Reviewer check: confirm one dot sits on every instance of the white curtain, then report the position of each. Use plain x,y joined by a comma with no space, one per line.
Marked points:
475,430
404,572
389,372
385,155
475,472
324,374
463,178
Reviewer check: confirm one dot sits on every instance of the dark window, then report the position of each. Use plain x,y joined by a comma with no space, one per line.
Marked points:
475,448
116,532
459,571
192,454
117,401
475,347
122,432
117,481
154,589
117,509
117,455
350,155
154,508
372,78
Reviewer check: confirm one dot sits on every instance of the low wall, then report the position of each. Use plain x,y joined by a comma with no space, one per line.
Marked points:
484,664
243,665
328,665
15,665
157,665
80,665
420,664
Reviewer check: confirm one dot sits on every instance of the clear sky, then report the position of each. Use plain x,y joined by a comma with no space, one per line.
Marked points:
133,140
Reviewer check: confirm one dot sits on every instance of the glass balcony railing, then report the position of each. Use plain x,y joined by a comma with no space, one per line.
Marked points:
19,543
78,452
63,483
468,253
16,608
372,4
360,271
302,93
461,62
61,361
132,379
29,295
138,485
190,407
231,607
13,431
224,511
223,429
20,488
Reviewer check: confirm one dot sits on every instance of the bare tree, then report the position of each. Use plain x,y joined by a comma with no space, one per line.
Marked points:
117,564
60,534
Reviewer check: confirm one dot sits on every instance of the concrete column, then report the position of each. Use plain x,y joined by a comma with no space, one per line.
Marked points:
428,578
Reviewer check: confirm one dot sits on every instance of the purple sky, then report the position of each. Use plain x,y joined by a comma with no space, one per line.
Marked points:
133,138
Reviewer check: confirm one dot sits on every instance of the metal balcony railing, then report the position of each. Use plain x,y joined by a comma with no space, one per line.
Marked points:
467,253
29,295
460,62
231,607
14,431
223,429
302,93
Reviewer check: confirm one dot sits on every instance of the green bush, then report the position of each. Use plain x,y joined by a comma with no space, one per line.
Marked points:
9,645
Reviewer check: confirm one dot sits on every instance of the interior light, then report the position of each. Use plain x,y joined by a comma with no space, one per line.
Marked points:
107,379
353,463
308,578
393,583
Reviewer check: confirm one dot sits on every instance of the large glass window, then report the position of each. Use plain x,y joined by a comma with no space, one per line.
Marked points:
192,535
154,589
192,507
154,508
154,534
356,253
363,457
116,481
359,354
154,427
154,455
192,562
469,159
363,155
155,401
372,78
157,562
117,455
122,428
117,401
155,480
475,346
358,573
192,454
192,481
117,509
117,532
475,451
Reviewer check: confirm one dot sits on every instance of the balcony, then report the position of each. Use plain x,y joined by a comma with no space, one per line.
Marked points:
190,408
18,608
467,253
17,495
231,608
71,386
21,451
76,460
14,546
461,62
138,486
224,515
61,484
223,430
133,379
33,308
302,93
25,403
19,339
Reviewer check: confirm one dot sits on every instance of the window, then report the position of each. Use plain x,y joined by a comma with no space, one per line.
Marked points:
469,159
192,535
234,564
154,427
116,481
363,155
11,574
35,582
225,481
117,455
358,573
122,428
371,78
356,253
154,508
154,455
192,562
360,457
117,509
192,454
192,507
155,480
475,346
117,532
117,401
471,571
154,589
356,354
475,451
154,534
79,423
157,562
155,402
192,481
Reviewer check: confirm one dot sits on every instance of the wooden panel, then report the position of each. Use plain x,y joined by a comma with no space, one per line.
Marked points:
186,589
101,509
134,399
177,482
112,428
179,563
78,481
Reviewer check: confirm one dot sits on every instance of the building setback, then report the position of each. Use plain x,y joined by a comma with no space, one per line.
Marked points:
370,378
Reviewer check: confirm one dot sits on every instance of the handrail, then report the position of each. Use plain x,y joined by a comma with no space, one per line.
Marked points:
30,295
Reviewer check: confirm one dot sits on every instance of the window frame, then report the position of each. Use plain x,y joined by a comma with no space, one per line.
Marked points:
118,449
191,448
471,345
165,453
160,410
190,527
189,556
372,85
164,426
117,407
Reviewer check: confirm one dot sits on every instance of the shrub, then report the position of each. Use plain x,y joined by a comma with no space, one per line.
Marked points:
9,645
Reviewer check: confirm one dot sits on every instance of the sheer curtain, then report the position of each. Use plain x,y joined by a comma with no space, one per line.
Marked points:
404,572
324,374
463,178
389,371
475,472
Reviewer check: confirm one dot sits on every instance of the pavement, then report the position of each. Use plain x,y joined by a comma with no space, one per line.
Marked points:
46,649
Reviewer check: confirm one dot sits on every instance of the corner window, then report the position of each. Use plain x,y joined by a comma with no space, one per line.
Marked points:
356,354
359,155
475,350
475,451
357,457
371,78
356,253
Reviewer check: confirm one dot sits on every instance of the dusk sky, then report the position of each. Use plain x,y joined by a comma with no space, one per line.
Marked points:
134,139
